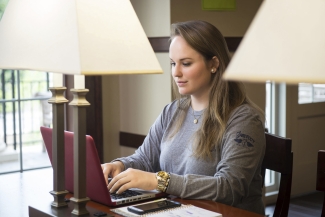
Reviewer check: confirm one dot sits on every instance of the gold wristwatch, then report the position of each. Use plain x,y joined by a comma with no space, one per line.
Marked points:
163,180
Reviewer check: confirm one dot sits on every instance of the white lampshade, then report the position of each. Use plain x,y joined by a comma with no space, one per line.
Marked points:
284,43
80,37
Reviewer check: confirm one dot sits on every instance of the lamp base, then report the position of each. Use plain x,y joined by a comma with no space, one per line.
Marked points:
59,197
79,206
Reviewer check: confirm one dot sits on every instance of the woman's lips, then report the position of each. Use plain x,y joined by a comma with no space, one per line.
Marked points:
181,83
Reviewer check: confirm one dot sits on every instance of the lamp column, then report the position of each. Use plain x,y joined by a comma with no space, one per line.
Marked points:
58,147
79,104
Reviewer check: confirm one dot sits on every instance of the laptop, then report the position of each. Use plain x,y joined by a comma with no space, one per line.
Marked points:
96,186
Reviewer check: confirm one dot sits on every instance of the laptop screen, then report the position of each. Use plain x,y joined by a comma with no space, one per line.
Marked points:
96,186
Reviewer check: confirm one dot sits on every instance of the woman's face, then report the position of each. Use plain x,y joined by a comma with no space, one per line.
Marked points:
189,69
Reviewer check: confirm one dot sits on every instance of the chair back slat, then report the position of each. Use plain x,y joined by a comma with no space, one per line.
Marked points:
320,177
279,157
320,181
277,154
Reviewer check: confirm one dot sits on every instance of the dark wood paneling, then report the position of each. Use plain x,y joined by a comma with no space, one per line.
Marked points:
161,44
68,81
131,140
94,111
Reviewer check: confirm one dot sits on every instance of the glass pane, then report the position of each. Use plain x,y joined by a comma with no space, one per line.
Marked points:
268,106
9,145
33,84
305,92
9,142
21,132
310,93
35,112
269,178
319,92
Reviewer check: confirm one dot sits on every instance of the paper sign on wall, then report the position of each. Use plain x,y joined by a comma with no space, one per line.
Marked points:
218,5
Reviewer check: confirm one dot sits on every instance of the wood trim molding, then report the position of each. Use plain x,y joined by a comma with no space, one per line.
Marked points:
233,43
131,140
161,44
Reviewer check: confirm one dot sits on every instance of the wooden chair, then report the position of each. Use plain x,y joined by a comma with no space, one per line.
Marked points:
320,178
279,157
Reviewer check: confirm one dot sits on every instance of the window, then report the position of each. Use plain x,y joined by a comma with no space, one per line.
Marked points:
275,112
269,175
270,183
311,93
23,109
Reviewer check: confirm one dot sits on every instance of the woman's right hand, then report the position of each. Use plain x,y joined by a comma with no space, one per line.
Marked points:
112,169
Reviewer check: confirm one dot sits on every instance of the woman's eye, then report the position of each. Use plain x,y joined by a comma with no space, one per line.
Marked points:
172,64
186,64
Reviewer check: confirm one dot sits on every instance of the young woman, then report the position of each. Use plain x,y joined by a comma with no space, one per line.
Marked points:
207,144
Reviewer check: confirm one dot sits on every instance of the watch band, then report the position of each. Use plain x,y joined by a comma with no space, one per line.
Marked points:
163,179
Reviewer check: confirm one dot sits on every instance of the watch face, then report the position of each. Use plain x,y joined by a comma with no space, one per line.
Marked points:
162,174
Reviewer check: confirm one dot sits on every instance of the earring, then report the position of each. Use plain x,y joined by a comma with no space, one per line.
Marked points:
212,70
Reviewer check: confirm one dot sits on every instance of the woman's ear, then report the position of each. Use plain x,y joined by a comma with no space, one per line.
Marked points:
214,64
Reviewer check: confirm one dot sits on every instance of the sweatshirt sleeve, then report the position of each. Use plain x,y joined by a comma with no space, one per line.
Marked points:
238,171
147,156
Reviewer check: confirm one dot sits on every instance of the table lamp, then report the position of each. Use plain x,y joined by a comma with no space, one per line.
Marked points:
284,43
76,37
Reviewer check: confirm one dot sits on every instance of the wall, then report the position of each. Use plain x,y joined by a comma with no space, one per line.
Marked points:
306,128
111,116
132,102
230,23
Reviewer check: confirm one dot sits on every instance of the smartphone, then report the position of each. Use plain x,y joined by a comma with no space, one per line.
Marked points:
153,207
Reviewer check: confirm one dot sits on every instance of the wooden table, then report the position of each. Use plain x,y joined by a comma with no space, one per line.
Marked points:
18,191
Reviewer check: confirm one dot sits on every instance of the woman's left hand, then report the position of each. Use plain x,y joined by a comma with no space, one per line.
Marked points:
133,178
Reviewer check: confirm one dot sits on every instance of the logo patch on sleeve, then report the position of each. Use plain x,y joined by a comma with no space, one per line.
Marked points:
244,140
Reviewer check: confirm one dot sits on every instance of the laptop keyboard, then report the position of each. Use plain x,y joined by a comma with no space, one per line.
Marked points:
125,194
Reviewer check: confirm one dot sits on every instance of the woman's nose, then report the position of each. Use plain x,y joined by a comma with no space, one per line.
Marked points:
176,71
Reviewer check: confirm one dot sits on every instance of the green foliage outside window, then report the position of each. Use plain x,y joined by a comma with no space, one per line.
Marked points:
31,83
3,4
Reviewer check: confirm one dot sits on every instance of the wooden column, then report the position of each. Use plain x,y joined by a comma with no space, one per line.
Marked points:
58,158
79,104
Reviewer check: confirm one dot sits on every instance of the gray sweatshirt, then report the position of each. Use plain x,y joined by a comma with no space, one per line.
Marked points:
233,176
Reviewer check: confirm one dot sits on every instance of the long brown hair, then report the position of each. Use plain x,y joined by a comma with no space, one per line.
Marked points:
224,96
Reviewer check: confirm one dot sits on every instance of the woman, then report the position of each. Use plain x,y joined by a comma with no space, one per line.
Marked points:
207,144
